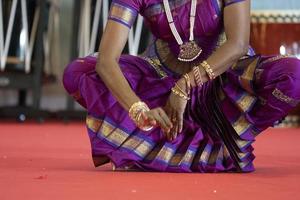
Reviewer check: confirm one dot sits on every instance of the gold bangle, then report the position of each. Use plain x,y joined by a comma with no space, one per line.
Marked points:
208,70
188,82
197,75
178,93
135,113
135,108
144,128
181,90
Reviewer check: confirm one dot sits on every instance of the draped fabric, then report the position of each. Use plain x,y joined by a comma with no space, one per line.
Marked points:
222,119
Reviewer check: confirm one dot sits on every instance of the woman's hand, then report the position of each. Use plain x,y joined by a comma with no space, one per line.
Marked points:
157,117
175,108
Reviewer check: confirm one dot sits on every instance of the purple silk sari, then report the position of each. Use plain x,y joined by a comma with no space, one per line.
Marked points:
222,118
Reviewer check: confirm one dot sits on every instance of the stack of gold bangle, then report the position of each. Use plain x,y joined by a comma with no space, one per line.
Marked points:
197,75
188,82
208,70
135,113
179,92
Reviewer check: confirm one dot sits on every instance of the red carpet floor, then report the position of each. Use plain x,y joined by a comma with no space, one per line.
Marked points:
52,161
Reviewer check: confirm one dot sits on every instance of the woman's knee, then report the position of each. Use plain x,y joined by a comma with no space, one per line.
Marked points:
289,78
73,72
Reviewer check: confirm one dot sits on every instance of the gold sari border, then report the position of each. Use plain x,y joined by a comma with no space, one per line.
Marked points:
245,102
275,58
122,14
205,154
157,66
241,125
180,159
284,98
146,150
117,137
246,79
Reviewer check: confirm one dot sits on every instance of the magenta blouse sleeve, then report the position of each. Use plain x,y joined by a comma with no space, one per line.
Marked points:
229,2
124,11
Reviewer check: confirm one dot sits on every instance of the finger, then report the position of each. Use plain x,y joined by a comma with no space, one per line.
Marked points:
149,118
160,120
163,126
168,135
180,122
177,123
144,116
168,110
174,116
165,118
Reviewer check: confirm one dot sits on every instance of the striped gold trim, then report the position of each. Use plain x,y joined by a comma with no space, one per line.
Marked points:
245,102
118,137
214,156
241,125
144,148
242,155
132,143
247,77
243,164
165,154
122,14
179,159
275,58
284,98
155,63
147,151
93,124
242,143
205,154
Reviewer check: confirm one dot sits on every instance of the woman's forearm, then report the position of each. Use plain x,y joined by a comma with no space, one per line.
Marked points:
112,76
226,55
221,60
237,30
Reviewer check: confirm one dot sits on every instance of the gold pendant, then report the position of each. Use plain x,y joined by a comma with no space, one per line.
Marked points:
189,51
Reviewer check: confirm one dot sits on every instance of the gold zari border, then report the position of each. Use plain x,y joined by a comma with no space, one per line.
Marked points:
282,97
122,13
241,125
245,102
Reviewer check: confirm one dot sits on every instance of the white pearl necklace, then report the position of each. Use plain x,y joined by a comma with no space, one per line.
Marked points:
189,51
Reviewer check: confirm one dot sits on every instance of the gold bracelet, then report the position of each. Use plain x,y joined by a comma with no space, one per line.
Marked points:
135,108
142,126
188,82
178,93
208,70
197,75
181,90
135,113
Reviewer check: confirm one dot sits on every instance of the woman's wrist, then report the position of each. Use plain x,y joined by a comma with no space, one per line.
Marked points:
182,84
203,75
